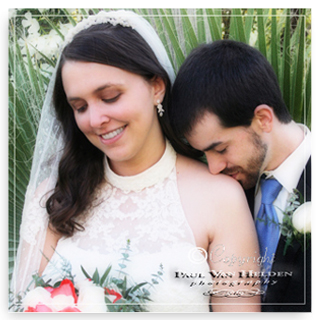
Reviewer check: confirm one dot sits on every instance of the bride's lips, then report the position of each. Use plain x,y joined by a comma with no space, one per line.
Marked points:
112,136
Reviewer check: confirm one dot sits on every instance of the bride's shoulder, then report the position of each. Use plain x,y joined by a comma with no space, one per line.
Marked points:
209,201
195,173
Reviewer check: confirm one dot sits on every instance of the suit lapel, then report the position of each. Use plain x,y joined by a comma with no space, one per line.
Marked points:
250,193
304,187
282,262
304,184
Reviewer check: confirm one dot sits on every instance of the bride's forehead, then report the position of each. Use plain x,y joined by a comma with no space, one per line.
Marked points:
80,77
75,71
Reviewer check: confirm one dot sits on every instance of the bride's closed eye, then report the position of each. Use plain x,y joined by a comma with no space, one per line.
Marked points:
111,100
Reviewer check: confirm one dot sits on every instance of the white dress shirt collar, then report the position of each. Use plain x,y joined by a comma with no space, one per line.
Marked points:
290,170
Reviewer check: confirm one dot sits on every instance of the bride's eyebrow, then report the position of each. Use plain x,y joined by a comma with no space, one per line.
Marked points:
105,86
108,85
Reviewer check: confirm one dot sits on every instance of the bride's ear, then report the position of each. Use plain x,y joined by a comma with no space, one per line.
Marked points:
159,88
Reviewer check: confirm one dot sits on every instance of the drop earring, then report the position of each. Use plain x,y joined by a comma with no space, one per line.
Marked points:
160,108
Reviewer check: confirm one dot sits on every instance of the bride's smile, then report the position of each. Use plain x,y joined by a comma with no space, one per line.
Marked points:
112,134
115,110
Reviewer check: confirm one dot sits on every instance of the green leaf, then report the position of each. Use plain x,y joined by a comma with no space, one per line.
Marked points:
189,33
71,20
105,275
201,26
307,121
132,289
248,24
298,87
274,44
214,25
138,286
174,40
162,34
125,256
54,27
85,273
239,25
261,33
286,84
95,277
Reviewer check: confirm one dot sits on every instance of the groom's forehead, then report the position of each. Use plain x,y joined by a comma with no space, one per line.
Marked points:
206,129
207,121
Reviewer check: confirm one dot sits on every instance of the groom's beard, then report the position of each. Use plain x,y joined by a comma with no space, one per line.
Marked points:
249,175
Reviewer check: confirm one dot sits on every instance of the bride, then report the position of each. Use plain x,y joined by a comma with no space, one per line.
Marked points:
108,171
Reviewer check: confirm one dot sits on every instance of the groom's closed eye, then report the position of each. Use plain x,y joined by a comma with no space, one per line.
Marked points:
212,146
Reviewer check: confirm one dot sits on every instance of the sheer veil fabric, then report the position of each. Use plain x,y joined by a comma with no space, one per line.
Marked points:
48,150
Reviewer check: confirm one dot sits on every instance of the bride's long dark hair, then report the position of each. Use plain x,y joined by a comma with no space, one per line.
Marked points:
81,168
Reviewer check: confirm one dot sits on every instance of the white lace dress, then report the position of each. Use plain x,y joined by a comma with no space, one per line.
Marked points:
145,209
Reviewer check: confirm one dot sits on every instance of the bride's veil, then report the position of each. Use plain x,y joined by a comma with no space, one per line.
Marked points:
48,150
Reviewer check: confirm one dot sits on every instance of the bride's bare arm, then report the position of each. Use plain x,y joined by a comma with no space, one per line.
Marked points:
218,214
233,253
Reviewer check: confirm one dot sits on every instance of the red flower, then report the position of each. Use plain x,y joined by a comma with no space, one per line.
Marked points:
112,292
48,299
66,288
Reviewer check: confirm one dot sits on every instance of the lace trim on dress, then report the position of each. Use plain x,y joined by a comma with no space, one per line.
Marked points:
155,174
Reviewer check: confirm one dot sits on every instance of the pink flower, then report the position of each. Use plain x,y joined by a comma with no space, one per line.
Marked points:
70,309
39,308
60,299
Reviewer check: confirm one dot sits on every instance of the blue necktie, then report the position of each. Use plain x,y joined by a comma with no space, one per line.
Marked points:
267,223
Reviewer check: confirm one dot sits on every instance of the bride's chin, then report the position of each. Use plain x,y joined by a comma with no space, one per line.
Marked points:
118,156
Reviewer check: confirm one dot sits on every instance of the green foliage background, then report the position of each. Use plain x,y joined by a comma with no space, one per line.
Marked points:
282,35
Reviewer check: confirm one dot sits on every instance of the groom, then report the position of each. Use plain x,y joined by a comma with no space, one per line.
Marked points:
227,103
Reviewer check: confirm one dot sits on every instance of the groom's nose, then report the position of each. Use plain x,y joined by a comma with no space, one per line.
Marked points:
216,163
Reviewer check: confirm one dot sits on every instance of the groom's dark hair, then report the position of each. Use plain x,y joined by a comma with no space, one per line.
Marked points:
229,79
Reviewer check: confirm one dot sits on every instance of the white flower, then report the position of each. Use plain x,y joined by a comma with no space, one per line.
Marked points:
65,27
301,218
91,297
12,13
49,44
61,301
36,296
33,24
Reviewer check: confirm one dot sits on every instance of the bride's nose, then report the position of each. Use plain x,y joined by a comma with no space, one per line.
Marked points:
98,115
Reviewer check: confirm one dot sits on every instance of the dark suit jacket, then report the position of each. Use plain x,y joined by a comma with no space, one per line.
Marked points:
290,294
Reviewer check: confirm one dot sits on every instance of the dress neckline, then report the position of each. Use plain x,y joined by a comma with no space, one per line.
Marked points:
153,175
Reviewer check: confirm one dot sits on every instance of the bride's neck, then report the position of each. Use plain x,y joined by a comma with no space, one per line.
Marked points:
146,158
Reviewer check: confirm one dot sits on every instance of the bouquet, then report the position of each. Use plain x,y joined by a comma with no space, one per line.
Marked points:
96,293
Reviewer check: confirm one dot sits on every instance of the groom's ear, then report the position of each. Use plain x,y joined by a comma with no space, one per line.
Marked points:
263,119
